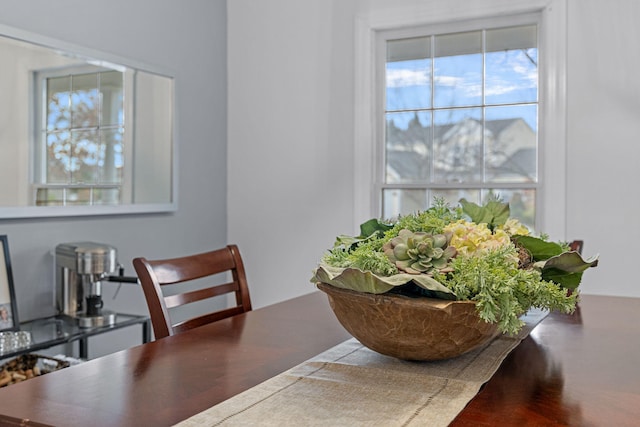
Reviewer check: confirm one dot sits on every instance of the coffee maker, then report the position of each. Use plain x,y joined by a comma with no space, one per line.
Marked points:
81,267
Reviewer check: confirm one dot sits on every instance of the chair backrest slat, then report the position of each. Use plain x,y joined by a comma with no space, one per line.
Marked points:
177,270
176,300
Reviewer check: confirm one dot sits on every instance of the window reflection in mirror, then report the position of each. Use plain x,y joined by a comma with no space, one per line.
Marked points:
80,136
82,132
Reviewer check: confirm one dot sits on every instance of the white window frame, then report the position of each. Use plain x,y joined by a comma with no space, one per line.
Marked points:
551,200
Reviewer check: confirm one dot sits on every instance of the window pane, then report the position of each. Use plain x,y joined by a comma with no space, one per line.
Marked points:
111,84
58,157
106,196
112,162
85,101
408,74
402,202
78,196
521,203
511,143
408,147
50,197
58,103
511,65
458,69
88,154
511,38
458,145
511,77
453,196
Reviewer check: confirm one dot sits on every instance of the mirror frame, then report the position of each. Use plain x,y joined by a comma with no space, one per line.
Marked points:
98,57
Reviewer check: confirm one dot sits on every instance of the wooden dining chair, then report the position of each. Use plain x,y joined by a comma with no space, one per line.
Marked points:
154,275
576,245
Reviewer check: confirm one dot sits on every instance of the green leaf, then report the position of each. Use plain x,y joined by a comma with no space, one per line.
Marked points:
373,226
346,241
494,213
571,262
565,269
366,281
368,230
539,249
562,278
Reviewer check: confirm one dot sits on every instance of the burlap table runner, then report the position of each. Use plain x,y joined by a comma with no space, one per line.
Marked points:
350,385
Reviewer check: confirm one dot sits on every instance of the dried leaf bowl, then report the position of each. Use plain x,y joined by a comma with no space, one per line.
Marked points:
408,328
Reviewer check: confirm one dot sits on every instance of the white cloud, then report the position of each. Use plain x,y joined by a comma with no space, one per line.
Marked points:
497,86
406,77
516,74
450,81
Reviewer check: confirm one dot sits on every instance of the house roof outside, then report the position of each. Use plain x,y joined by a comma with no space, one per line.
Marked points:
509,153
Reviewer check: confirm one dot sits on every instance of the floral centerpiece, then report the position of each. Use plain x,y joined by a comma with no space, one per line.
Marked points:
467,253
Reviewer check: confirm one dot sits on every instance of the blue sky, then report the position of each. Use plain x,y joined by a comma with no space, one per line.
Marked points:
511,79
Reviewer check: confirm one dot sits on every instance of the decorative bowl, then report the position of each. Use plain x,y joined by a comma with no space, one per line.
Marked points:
410,328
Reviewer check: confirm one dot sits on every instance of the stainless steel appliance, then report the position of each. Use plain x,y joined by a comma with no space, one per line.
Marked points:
81,267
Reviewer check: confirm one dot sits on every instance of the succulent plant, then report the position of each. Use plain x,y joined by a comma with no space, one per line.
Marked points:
419,252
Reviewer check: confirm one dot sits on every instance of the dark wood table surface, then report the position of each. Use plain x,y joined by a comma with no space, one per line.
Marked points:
579,370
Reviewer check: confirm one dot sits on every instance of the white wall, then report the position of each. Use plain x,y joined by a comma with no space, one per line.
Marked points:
191,42
290,141
603,132
291,134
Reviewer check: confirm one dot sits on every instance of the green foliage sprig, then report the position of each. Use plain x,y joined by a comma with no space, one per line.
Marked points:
433,220
365,252
367,256
502,291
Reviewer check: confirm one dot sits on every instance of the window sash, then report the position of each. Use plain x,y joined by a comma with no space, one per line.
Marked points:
499,34
110,186
551,215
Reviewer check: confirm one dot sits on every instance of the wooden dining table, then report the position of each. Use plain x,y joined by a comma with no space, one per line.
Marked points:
575,370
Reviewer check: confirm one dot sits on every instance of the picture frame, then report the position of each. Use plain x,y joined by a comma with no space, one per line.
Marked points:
8,305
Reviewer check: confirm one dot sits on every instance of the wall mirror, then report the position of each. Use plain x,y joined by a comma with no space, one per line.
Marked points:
82,132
